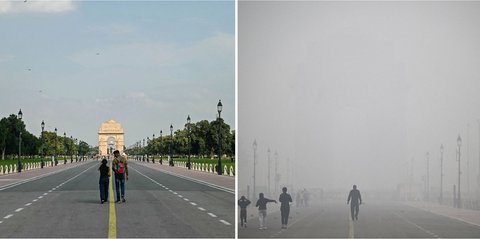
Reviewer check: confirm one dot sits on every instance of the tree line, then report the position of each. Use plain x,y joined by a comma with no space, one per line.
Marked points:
13,133
202,139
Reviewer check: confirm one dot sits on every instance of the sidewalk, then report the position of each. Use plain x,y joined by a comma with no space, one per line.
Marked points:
464,215
210,178
11,179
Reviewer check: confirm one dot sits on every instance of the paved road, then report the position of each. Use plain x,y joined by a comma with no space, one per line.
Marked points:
376,220
67,204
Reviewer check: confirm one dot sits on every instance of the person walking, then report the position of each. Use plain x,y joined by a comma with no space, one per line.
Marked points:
120,167
262,210
243,203
285,199
356,200
104,180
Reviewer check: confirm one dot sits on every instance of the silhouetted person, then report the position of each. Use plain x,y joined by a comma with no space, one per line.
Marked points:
262,210
243,203
285,200
356,200
104,180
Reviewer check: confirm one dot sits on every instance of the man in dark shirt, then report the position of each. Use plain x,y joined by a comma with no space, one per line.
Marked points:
285,200
243,203
356,198
262,210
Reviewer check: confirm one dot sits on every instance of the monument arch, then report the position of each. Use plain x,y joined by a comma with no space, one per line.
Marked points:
110,138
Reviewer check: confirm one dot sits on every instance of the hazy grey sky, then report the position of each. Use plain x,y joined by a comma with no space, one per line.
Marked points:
145,64
350,92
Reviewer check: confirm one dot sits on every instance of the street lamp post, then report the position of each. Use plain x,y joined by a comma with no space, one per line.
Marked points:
276,173
427,180
268,171
65,148
55,153
20,115
170,161
160,149
219,109
441,174
459,144
254,157
153,148
189,146
43,143
71,151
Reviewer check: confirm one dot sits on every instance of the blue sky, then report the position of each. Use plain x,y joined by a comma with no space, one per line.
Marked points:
76,64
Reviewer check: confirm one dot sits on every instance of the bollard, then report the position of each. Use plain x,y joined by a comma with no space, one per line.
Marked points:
1,169
225,170
231,171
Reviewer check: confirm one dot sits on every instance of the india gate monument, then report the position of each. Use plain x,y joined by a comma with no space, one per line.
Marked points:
110,138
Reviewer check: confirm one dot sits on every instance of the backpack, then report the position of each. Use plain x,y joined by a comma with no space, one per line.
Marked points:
121,168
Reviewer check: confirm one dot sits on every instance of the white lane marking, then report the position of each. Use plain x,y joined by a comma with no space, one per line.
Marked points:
8,216
50,191
40,197
351,229
194,204
211,214
35,178
175,193
225,189
170,191
53,189
45,194
201,208
34,200
28,204
1,222
186,199
180,196
225,222
166,188
19,209
417,226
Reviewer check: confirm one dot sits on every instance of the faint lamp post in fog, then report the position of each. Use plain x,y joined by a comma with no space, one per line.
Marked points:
459,144
189,146
277,177
441,174
427,180
254,157
268,171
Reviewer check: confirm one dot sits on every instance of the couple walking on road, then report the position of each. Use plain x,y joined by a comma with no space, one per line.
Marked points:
120,169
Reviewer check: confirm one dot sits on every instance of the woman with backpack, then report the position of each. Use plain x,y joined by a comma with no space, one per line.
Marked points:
104,180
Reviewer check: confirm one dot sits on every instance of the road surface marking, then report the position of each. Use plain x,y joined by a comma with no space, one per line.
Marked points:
8,216
34,200
186,199
417,226
175,193
211,214
50,191
45,194
225,189
351,229
1,222
28,204
201,208
180,196
194,204
40,197
19,209
112,217
225,222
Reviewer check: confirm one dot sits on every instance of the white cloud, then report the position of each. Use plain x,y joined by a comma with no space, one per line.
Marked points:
36,6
